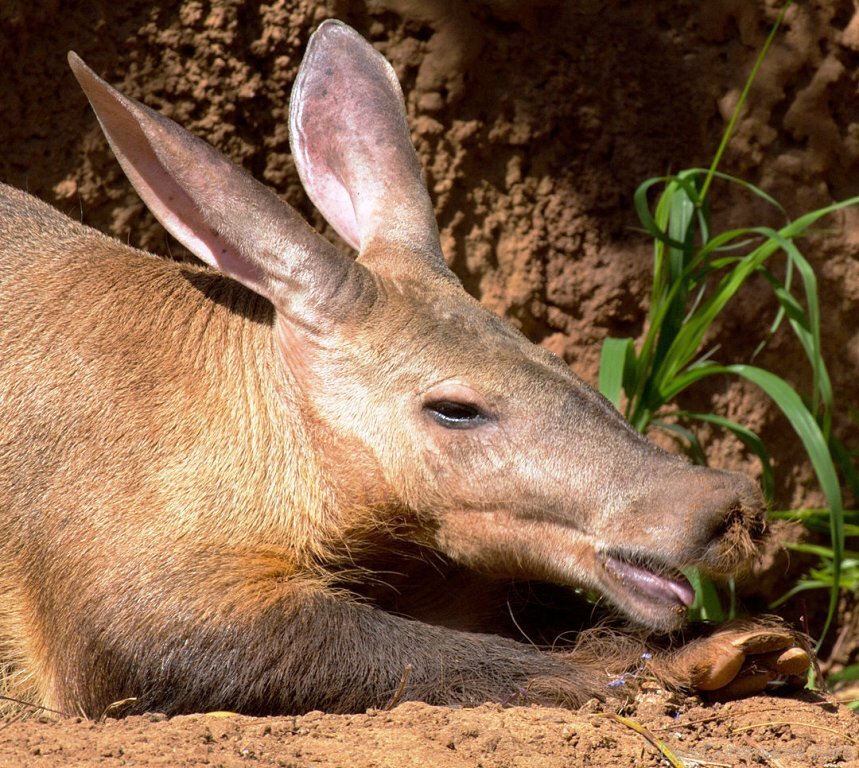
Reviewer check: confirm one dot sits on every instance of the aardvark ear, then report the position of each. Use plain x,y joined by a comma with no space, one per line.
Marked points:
352,147
221,214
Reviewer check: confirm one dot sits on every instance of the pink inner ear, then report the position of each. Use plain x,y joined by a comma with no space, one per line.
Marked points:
170,202
325,188
352,146
147,145
337,204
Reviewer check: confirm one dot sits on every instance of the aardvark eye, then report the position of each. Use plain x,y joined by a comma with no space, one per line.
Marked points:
455,415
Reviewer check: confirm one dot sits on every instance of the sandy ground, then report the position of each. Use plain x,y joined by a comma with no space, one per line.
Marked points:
763,731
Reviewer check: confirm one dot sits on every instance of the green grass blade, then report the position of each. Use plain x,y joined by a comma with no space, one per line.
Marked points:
687,378
747,185
847,464
615,357
817,449
799,227
689,338
818,520
807,330
821,387
642,209
806,325
850,672
696,274
708,604
696,450
802,586
726,136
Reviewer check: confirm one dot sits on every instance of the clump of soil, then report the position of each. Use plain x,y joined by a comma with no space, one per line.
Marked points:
535,122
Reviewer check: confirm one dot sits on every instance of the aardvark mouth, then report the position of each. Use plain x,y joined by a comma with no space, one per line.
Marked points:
652,583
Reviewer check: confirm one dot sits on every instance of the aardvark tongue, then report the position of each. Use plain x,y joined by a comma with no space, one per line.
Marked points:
677,589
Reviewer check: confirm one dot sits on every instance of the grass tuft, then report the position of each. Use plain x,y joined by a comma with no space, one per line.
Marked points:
697,273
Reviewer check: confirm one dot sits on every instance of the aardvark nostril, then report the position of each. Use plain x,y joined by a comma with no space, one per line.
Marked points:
758,524
737,529
740,518
736,507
